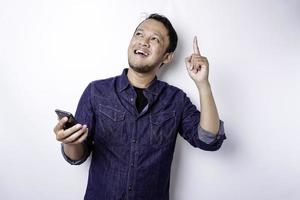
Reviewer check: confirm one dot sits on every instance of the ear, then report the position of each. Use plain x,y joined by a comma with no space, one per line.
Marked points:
168,57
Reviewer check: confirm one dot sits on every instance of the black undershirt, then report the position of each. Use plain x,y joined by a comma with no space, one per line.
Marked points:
141,100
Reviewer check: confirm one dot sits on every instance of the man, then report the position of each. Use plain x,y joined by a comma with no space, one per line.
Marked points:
130,122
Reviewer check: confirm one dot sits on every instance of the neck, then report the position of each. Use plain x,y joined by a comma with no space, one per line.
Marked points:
140,80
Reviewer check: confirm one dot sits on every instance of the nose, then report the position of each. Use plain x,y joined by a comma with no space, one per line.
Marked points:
144,42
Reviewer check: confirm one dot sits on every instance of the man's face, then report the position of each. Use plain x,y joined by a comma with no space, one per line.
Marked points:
147,48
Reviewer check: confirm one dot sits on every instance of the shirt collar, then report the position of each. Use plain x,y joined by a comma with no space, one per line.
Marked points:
123,82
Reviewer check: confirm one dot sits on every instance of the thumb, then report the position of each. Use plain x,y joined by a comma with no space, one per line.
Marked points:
188,60
188,63
60,125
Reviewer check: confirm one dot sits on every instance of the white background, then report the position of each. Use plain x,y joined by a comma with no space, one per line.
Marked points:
51,50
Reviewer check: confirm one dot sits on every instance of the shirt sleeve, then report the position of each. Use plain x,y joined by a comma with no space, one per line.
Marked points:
75,162
209,137
191,130
84,115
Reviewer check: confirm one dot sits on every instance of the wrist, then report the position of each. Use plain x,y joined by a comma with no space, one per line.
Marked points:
72,146
204,88
202,84
74,151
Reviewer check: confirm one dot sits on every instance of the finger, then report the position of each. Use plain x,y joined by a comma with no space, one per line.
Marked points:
193,66
194,55
75,136
195,46
188,62
60,125
63,134
199,60
196,62
81,138
195,70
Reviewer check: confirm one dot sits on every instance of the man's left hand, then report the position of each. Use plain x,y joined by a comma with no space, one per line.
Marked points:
197,65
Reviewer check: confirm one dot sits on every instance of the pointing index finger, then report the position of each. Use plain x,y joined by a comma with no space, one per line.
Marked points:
195,46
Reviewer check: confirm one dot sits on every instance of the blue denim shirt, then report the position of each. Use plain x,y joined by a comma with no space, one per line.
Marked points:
132,152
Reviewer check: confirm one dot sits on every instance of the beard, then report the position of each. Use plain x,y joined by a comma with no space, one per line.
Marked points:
143,69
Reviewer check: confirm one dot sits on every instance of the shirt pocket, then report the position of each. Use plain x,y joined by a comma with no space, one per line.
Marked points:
111,122
163,126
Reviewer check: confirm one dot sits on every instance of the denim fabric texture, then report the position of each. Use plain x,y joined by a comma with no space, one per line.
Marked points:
132,152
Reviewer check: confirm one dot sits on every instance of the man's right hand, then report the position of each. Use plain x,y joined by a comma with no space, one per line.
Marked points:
74,135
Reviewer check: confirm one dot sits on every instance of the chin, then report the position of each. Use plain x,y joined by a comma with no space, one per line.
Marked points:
141,69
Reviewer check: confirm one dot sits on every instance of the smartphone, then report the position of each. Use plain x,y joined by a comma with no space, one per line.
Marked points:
71,119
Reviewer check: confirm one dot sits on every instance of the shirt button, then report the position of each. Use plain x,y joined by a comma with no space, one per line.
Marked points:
129,188
132,164
134,141
131,99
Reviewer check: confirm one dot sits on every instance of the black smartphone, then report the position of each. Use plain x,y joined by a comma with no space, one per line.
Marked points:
71,119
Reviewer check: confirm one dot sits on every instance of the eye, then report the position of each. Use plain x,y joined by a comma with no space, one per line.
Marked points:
138,34
155,39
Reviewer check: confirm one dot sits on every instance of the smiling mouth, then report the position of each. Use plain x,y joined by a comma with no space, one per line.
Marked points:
140,52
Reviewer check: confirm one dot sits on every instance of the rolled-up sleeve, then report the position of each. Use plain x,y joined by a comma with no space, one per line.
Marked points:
75,162
209,137
191,130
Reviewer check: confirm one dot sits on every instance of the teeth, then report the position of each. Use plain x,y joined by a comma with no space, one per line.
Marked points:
141,52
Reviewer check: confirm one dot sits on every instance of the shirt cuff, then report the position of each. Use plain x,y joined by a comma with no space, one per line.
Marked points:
74,162
208,137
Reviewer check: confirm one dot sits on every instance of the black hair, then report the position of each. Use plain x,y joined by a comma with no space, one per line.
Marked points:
171,31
